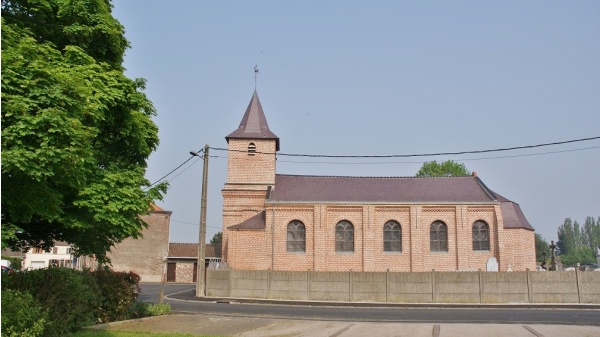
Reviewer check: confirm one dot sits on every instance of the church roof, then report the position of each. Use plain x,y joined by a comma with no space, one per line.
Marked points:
256,222
254,124
394,190
296,188
512,215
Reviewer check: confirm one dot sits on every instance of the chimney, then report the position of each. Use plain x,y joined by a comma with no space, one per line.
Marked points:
474,174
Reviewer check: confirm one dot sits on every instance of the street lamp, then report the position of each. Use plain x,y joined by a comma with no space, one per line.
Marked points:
200,283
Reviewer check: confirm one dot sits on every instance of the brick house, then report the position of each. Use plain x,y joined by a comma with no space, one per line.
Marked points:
147,255
182,262
323,223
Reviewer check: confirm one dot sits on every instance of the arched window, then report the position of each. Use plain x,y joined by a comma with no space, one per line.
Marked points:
251,149
296,236
392,237
481,235
438,235
344,236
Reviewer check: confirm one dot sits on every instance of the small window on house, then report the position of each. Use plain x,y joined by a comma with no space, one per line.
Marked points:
251,149
438,235
392,237
296,236
344,236
481,235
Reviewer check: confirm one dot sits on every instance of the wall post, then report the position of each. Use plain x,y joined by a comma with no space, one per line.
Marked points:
578,281
308,275
387,285
230,281
433,294
529,294
351,285
268,283
480,286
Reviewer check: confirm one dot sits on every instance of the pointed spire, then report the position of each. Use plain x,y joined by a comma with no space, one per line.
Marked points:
254,124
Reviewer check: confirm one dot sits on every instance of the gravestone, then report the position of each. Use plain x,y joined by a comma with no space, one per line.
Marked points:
492,264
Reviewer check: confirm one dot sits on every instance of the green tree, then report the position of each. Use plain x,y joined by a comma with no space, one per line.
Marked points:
76,132
591,230
445,169
541,247
217,238
577,244
566,237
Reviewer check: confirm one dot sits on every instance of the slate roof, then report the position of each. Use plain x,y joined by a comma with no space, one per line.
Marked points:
512,214
324,189
385,190
254,124
256,222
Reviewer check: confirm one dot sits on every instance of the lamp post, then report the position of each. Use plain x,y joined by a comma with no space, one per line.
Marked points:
200,284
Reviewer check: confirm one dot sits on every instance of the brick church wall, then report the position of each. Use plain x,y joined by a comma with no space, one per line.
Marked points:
267,249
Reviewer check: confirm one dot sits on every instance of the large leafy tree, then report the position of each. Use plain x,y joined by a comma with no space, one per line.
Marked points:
448,168
76,132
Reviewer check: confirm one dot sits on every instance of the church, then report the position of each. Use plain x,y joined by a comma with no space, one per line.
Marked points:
275,221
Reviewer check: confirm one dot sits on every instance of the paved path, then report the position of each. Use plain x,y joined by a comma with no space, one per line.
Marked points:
215,325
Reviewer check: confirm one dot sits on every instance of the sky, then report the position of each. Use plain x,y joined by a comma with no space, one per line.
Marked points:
365,78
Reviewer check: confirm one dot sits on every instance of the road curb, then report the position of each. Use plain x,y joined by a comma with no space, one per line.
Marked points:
182,296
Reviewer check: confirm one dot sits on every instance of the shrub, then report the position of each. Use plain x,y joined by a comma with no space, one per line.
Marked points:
70,297
22,315
138,310
119,291
159,309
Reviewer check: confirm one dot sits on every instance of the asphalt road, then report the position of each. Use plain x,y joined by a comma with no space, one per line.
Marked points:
182,299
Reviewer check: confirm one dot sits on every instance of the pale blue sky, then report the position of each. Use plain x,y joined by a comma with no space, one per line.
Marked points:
377,78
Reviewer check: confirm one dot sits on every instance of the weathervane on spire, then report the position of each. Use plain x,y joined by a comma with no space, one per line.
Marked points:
255,75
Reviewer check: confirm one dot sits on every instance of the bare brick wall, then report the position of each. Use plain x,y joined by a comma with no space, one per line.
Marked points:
244,168
267,249
145,256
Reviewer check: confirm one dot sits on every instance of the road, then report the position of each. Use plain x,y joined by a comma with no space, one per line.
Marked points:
181,298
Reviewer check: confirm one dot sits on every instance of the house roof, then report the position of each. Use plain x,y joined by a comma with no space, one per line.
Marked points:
190,250
254,124
294,188
183,250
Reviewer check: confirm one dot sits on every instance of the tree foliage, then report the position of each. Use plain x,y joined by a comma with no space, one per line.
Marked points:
448,168
541,247
217,238
76,132
577,244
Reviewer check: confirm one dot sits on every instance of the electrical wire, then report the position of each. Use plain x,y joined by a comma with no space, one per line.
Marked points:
396,156
175,169
420,154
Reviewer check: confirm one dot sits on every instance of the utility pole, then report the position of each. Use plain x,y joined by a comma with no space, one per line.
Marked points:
200,282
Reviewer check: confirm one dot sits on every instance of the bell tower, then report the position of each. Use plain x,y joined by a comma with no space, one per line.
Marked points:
250,174
251,150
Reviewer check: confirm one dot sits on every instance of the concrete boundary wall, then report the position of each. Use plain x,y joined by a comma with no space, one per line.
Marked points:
405,287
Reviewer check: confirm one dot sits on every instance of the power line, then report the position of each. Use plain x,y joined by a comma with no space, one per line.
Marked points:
399,156
175,169
421,154
420,162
